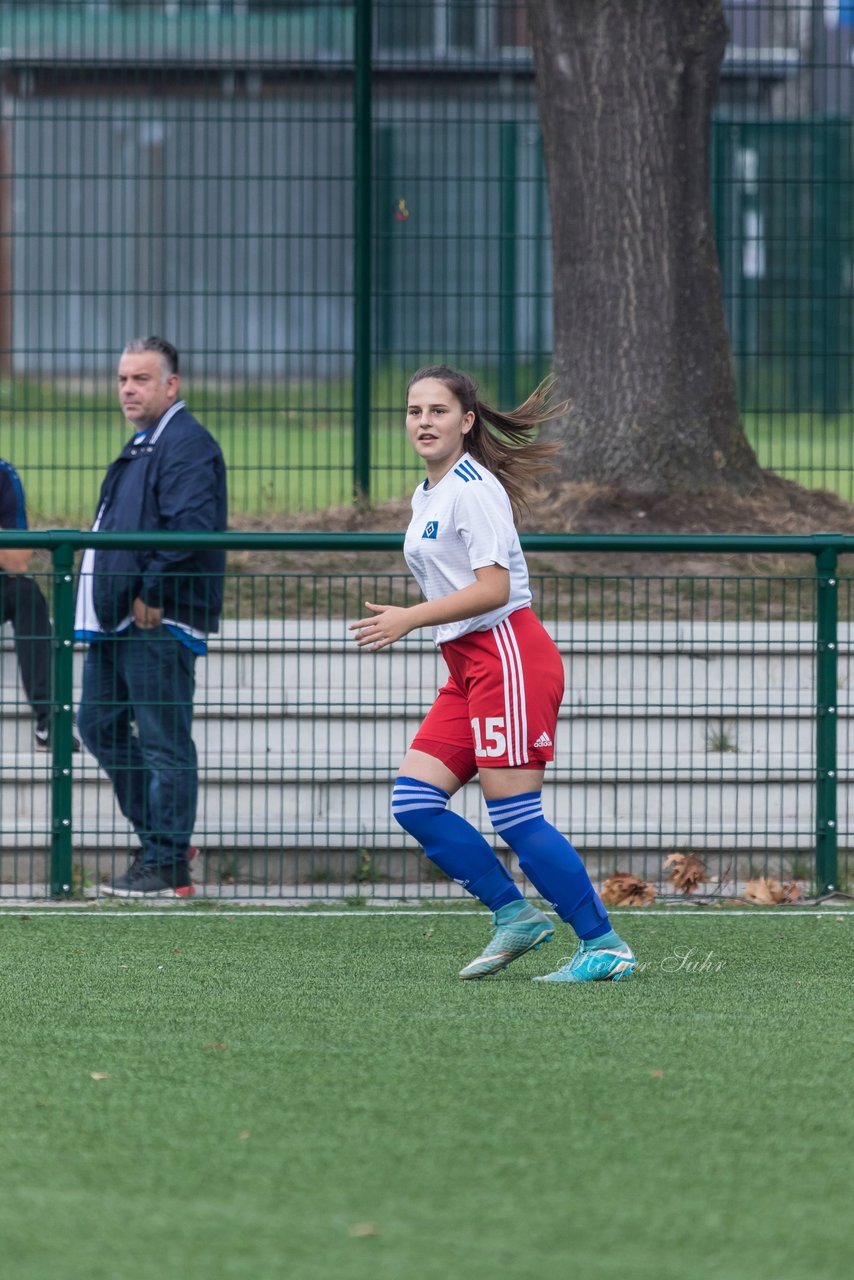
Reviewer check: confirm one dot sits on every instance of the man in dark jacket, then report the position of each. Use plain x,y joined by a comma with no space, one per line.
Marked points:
146,614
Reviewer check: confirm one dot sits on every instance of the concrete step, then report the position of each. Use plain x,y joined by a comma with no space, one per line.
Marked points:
615,802
648,660
645,675
17,767
309,729
602,839
304,698
578,636
384,737
300,735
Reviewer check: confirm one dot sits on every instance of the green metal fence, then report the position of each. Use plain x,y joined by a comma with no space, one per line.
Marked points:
704,714
265,182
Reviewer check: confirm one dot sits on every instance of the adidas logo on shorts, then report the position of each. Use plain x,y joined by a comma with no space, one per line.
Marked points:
543,741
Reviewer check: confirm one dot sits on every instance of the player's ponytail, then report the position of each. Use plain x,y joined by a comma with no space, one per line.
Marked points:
505,443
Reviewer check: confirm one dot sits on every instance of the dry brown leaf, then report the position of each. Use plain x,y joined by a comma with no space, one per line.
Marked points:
687,873
656,1075
216,1044
625,890
762,892
245,1135
769,892
99,1075
364,1229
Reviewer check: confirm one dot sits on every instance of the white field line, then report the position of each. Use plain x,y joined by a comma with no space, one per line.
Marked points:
697,913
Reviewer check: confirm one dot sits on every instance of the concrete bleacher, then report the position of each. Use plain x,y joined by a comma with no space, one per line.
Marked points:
671,736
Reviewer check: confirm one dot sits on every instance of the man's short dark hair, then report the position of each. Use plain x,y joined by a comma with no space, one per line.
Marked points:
163,348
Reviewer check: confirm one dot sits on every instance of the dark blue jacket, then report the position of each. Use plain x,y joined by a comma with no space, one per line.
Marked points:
173,478
13,511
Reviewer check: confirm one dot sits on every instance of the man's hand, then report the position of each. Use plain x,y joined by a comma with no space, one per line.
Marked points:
14,560
145,615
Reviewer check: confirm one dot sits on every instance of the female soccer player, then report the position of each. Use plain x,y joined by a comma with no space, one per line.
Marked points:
497,715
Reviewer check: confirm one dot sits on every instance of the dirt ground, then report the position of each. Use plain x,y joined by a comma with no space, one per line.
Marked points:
779,506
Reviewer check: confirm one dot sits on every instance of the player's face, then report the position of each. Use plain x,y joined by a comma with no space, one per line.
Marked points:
436,425
146,391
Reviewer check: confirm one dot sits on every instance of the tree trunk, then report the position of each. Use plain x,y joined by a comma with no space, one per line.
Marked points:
625,91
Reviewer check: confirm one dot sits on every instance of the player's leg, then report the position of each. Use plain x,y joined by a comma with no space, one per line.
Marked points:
434,769
439,762
25,607
558,874
419,803
522,713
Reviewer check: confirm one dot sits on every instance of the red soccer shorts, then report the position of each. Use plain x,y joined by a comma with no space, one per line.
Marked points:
499,708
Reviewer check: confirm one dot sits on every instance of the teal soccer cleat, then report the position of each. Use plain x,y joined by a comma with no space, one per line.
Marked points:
516,931
594,964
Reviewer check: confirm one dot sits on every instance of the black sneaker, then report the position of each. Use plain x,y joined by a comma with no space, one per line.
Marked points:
143,880
41,733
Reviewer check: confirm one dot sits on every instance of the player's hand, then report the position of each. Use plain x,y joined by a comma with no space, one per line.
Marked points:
145,615
389,623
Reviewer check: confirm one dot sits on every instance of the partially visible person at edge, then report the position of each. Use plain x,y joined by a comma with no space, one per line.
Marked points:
146,614
497,714
23,604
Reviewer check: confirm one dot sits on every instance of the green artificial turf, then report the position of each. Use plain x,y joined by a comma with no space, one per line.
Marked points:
321,1098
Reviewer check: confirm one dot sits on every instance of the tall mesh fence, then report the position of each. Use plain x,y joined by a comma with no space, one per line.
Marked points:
311,199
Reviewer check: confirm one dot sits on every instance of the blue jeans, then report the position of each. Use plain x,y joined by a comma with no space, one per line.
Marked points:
146,677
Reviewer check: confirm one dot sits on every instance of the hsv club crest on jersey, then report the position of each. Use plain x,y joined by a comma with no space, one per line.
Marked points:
431,529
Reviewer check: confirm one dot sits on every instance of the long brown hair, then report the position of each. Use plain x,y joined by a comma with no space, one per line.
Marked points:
505,443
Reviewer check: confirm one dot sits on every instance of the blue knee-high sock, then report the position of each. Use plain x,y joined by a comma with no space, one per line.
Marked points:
451,842
550,863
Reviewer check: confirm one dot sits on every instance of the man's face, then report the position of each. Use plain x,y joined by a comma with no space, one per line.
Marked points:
146,390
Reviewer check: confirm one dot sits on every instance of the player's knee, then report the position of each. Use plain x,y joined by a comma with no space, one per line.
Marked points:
516,817
417,805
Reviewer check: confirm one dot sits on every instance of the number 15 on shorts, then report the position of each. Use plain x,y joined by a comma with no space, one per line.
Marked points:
491,740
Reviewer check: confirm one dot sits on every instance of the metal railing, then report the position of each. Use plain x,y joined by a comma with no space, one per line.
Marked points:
635,717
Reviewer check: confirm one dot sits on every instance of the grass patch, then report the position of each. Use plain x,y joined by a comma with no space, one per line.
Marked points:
274,468
289,446
813,450
322,1097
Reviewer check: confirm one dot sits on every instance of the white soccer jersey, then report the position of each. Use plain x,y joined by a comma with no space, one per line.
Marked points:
464,523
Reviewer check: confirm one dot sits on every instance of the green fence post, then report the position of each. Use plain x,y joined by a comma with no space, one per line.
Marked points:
383,167
821,354
507,344
63,716
363,266
541,285
826,834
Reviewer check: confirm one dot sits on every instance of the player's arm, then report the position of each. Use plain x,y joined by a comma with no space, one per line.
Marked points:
390,622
